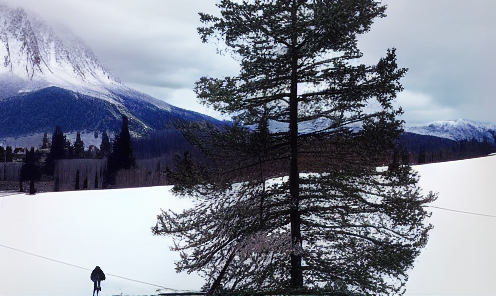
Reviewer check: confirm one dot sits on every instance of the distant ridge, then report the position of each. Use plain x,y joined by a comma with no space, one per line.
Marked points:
457,130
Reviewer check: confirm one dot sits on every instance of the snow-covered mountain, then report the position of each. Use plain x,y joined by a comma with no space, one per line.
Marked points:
35,55
457,130
49,77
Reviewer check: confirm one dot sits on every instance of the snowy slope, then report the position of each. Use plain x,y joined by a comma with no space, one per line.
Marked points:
108,228
459,258
112,229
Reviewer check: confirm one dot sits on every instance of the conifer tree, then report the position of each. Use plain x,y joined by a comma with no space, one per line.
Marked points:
122,151
30,170
9,157
76,187
121,156
78,146
96,180
46,142
105,146
57,150
332,223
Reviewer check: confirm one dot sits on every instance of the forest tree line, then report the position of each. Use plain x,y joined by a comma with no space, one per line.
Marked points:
58,158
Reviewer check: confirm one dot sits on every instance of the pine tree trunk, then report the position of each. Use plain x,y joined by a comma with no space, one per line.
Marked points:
96,180
32,190
57,184
77,180
296,271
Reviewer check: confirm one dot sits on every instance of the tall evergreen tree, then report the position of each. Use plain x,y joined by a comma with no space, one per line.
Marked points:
3,156
78,147
46,142
96,180
76,187
121,156
30,170
122,151
335,223
105,146
9,156
57,150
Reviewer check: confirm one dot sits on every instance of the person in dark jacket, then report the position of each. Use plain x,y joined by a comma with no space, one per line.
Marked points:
97,276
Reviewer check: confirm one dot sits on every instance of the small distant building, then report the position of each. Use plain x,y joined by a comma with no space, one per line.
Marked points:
19,154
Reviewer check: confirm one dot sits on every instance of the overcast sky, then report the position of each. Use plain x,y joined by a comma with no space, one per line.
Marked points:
153,46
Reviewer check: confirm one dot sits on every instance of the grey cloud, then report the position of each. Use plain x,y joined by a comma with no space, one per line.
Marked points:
448,46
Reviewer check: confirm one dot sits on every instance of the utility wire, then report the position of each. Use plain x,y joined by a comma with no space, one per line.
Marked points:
65,263
46,258
150,284
463,212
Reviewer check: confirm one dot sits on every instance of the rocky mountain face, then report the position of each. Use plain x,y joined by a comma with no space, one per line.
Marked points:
49,77
448,140
34,55
458,130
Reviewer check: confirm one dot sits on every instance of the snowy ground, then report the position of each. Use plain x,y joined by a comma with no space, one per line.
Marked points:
112,229
460,257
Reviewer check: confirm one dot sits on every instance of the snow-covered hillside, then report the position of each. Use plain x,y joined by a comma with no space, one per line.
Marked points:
111,229
457,130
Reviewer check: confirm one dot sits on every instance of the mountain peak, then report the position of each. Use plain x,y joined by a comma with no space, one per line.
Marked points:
33,51
460,129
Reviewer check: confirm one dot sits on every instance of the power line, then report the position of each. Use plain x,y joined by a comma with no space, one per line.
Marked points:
72,265
46,258
462,212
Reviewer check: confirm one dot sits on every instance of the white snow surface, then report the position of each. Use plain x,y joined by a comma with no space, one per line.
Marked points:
111,229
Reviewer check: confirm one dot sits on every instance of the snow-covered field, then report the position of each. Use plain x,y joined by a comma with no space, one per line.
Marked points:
112,229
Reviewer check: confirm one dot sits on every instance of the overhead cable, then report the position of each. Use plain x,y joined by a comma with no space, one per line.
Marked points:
76,266
462,212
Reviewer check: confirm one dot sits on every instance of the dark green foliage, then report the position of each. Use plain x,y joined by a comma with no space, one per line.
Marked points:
428,149
122,152
58,144
9,157
96,180
56,187
105,145
121,156
30,170
331,222
77,180
57,150
78,147
421,155
187,173
69,149
158,143
46,142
